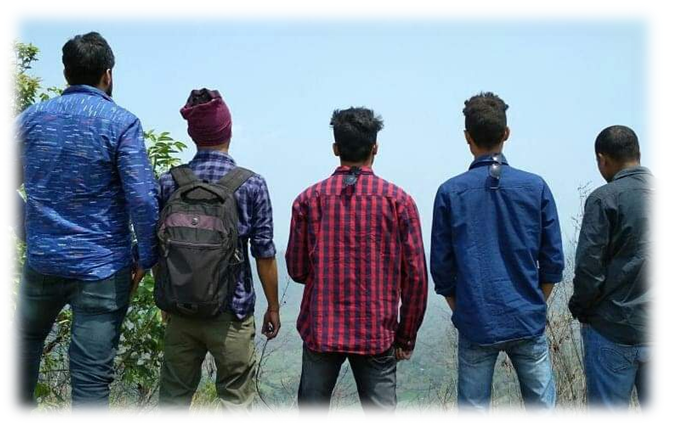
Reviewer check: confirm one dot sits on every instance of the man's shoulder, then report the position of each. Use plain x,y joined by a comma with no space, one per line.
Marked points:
98,106
24,120
462,178
476,178
118,114
602,193
313,190
527,176
253,188
125,113
255,179
166,180
610,192
255,184
639,178
463,181
73,105
392,190
378,186
520,178
38,108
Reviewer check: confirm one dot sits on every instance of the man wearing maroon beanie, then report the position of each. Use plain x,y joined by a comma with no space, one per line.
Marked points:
229,337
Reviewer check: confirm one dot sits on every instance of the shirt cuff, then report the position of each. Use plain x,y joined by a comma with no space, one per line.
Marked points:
143,262
578,312
405,343
548,277
147,264
446,291
263,249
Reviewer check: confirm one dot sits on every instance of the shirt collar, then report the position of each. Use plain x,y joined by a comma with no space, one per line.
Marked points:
626,172
90,90
486,160
343,169
205,155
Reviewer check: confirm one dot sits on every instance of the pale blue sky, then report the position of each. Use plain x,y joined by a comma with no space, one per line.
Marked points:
564,82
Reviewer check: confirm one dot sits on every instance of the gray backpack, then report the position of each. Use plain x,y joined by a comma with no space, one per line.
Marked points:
199,248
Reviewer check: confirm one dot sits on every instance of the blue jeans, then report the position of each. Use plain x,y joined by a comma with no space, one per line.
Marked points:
530,358
612,370
98,310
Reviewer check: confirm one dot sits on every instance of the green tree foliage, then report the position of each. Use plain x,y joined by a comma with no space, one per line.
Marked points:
163,151
26,86
141,345
20,92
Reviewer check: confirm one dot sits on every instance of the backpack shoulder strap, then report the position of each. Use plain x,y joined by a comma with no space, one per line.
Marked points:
183,175
235,178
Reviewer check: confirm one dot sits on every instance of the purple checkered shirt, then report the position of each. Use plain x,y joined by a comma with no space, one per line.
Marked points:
254,213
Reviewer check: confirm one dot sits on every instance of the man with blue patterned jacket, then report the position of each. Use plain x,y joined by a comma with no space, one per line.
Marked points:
88,181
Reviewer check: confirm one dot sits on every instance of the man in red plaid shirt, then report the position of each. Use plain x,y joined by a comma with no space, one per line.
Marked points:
356,244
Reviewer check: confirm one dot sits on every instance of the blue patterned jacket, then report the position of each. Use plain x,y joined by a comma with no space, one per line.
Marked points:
87,177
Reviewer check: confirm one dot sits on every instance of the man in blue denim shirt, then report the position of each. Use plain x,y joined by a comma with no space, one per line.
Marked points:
496,254
87,180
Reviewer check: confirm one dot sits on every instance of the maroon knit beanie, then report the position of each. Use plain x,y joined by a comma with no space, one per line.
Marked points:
208,118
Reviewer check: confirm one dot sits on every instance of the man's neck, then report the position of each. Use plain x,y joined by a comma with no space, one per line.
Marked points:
97,86
367,164
624,165
478,154
218,148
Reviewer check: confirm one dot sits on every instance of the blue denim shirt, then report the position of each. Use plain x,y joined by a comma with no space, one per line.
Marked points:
87,177
491,249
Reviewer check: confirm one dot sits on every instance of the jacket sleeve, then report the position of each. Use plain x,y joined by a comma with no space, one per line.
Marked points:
297,253
14,178
262,232
141,189
413,277
442,261
551,257
590,271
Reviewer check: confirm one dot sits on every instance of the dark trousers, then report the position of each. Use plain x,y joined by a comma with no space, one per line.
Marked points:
374,375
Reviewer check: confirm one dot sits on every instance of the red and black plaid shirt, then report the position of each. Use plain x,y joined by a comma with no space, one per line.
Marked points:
358,250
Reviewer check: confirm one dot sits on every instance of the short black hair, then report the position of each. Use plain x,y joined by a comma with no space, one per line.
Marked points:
355,132
86,57
619,143
485,119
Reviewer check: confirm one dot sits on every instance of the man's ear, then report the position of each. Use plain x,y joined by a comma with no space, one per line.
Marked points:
107,78
602,160
375,149
335,148
507,133
468,137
